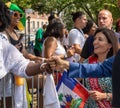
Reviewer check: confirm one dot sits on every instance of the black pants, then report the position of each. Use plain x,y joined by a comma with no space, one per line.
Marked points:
116,81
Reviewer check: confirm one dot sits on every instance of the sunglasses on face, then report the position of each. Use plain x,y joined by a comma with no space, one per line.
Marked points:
15,14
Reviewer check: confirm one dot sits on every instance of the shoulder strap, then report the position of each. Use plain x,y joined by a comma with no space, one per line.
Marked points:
79,30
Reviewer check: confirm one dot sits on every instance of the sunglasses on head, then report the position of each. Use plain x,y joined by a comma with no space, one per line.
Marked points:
15,14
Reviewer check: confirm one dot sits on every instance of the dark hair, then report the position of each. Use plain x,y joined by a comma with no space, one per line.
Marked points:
112,38
89,25
54,30
4,16
117,25
77,15
44,26
51,17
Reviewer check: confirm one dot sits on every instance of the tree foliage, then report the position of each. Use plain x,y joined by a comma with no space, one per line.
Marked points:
65,7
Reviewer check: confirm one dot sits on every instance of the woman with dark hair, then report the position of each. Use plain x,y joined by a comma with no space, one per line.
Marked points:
76,35
11,60
53,46
105,45
55,34
90,28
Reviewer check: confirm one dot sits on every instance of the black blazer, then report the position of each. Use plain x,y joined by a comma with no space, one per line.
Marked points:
116,81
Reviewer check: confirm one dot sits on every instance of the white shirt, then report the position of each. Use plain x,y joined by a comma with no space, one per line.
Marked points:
59,50
11,60
76,37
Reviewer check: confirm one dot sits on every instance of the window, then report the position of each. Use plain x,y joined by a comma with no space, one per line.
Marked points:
33,24
42,24
37,24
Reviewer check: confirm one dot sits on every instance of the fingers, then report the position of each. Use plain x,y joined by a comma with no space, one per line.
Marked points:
53,62
71,51
48,69
45,67
96,95
93,95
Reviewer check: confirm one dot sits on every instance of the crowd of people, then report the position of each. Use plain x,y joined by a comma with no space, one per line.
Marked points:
88,51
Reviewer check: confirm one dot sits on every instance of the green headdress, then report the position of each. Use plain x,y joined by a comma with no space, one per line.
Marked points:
14,7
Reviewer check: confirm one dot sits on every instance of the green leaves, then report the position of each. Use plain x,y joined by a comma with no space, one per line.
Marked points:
66,7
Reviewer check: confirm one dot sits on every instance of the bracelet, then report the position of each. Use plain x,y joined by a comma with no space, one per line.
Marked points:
43,60
42,65
107,97
65,56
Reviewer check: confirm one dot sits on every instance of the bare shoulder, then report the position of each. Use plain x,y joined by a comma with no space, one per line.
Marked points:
50,40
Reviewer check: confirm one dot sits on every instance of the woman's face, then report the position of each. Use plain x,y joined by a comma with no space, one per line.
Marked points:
101,45
93,29
15,18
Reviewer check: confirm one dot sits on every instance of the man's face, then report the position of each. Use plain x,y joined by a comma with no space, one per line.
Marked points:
105,19
83,21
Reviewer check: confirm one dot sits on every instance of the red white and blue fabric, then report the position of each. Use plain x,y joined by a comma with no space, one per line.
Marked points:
71,93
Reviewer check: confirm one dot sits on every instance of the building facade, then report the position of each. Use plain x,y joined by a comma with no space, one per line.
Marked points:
35,21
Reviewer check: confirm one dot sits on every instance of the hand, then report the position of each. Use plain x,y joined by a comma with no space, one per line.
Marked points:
96,95
48,69
19,46
45,67
56,63
71,52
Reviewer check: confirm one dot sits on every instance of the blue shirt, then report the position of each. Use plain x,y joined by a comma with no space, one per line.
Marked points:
79,70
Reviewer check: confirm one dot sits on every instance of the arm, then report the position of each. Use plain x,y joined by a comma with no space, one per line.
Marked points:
79,70
15,62
74,49
75,41
78,49
31,56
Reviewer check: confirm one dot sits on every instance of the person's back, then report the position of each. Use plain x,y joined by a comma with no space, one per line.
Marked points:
88,46
39,41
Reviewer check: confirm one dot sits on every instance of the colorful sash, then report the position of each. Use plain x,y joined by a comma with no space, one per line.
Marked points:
94,85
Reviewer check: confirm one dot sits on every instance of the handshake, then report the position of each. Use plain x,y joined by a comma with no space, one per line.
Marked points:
54,63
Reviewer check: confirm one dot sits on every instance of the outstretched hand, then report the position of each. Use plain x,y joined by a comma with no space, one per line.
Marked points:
56,63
